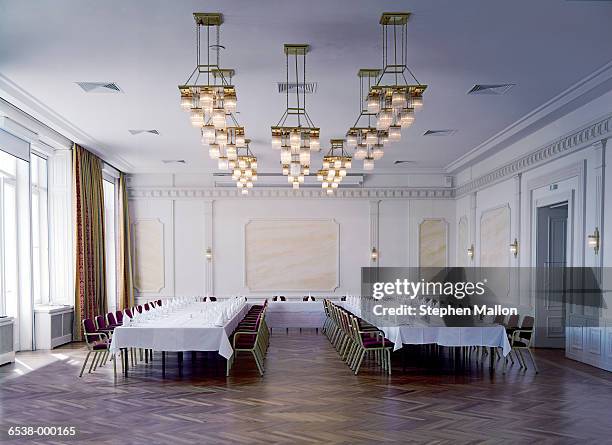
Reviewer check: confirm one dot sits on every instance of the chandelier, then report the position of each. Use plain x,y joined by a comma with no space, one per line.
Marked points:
393,99
244,171
335,165
295,135
364,136
210,98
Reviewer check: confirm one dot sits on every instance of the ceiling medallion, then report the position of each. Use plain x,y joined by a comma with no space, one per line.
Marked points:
295,135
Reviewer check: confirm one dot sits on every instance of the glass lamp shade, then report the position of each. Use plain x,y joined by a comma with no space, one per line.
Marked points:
378,152
254,165
285,171
244,191
334,185
306,170
254,177
395,133
186,102
218,118
406,118
301,179
330,174
231,164
417,102
329,191
384,120
229,103
197,117
325,184
242,163
285,156
223,163
295,139
237,172
337,163
214,151
305,157
319,176
348,164
208,133
239,184
296,185
360,152
248,173
315,144
221,138
368,163
295,168
371,138
342,173
244,179
290,179
276,141
206,99
351,140
398,99
325,164
240,140
249,185
231,152
373,103
337,179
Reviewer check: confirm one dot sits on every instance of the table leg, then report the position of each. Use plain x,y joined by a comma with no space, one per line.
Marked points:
180,363
491,358
126,366
164,364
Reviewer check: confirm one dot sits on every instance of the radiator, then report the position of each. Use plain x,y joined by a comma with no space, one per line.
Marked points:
7,347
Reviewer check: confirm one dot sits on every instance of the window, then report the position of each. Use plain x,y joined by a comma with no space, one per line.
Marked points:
8,236
40,230
110,243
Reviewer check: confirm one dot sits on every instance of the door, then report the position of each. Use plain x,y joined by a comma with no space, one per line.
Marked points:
551,262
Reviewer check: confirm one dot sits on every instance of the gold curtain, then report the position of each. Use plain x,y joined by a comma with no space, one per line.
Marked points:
88,200
126,283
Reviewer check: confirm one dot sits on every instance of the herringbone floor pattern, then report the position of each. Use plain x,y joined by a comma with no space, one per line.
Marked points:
308,396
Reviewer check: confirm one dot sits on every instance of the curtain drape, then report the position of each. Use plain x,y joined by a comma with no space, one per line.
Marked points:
88,204
126,284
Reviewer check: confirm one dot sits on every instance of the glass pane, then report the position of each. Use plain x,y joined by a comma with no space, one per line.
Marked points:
110,244
9,211
40,230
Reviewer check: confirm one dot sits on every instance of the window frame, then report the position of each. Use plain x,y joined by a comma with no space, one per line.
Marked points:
48,299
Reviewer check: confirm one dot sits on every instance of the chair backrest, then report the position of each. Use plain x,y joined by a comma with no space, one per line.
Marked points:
119,316
129,313
159,302
305,298
101,321
499,319
89,327
527,323
153,304
110,319
212,298
513,321
139,308
282,298
342,298
146,306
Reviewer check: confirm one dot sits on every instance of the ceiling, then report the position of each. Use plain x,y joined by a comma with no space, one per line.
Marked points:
147,48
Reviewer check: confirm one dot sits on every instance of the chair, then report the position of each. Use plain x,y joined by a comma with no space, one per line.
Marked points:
251,337
98,343
119,317
159,302
102,326
139,308
112,321
521,340
212,298
147,307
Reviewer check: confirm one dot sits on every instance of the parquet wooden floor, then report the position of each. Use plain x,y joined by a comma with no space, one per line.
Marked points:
308,396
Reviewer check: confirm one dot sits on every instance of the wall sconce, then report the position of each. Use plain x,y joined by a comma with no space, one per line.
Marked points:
514,248
470,252
593,240
208,254
374,254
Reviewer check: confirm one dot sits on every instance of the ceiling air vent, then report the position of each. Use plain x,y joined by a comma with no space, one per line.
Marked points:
446,132
491,89
99,87
174,161
135,132
308,87
403,162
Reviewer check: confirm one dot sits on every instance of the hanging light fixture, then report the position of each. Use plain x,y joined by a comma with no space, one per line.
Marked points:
393,98
296,142
210,97
245,169
335,165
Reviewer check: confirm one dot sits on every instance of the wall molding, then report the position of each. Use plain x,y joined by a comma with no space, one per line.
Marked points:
288,193
570,143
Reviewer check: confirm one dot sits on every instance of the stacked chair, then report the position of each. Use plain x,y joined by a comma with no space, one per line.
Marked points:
355,338
252,335
98,333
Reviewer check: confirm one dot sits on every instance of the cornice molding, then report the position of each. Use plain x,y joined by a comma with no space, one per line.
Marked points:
577,140
287,193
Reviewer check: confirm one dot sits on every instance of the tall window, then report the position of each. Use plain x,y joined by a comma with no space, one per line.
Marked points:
40,229
8,236
110,243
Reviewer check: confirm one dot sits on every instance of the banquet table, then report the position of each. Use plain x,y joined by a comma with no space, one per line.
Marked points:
186,329
420,332
295,314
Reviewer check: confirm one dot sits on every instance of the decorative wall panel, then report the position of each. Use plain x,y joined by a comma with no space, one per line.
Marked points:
463,241
148,236
433,243
291,255
495,237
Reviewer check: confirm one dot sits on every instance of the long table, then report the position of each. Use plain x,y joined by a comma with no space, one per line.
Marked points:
421,332
184,330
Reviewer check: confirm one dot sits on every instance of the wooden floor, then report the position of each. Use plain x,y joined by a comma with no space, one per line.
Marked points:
308,396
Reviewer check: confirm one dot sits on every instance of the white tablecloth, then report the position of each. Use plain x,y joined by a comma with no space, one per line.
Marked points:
184,330
421,333
295,314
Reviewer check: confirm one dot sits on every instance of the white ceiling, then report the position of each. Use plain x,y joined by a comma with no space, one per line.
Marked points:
147,48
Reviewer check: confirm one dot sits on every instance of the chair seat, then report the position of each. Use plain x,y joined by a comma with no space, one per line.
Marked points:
100,345
246,341
376,343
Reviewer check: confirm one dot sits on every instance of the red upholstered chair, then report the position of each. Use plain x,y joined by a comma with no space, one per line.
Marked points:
119,317
98,344
159,302
111,320
139,308
102,326
146,306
